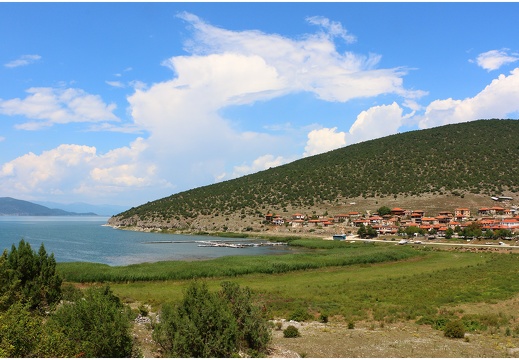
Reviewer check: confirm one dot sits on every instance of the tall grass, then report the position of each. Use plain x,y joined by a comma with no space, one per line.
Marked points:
381,292
232,266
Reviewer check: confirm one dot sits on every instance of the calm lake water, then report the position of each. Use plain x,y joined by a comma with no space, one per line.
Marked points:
86,239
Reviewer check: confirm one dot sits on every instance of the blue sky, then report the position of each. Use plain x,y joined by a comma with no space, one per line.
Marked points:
124,103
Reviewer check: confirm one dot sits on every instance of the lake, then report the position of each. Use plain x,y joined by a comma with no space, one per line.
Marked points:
84,238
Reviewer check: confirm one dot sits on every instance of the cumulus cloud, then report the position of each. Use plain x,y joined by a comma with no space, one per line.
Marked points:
23,61
190,142
229,68
49,106
376,122
499,99
80,170
323,140
261,163
311,64
494,59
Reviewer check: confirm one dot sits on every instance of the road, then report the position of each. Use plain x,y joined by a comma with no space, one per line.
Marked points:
426,242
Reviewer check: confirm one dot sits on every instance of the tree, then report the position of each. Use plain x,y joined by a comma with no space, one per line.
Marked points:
97,325
362,231
383,210
370,232
29,277
448,233
206,324
411,230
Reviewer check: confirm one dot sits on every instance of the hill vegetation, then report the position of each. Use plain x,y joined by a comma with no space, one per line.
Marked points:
478,157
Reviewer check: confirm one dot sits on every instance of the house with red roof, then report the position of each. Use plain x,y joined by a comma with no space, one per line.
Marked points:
462,214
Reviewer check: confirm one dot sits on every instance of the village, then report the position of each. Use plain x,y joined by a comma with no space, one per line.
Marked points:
398,220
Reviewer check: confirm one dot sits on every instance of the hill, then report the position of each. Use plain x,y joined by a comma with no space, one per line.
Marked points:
15,207
102,210
461,164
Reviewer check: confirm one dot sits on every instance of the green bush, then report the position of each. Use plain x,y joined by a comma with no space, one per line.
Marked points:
98,325
454,329
300,315
291,332
323,318
29,277
208,324
19,332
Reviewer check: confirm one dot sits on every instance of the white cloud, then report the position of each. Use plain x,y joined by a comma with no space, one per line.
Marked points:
323,140
23,61
229,68
497,100
116,84
376,122
49,106
332,28
261,163
494,59
80,170
311,64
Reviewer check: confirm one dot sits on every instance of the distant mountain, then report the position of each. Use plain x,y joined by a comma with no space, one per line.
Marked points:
15,207
103,210
463,161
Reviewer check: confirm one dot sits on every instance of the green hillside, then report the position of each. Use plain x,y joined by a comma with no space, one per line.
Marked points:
478,157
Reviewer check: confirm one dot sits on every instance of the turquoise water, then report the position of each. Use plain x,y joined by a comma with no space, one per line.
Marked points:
87,239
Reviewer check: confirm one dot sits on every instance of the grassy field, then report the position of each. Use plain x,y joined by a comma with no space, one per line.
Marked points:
388,292
374,282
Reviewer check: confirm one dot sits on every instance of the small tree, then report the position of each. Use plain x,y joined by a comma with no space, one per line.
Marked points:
291,332
362,231
208,324
97,325
29,277
448,233
454,329
384,210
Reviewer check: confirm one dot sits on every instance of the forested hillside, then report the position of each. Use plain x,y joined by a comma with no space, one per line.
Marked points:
479,157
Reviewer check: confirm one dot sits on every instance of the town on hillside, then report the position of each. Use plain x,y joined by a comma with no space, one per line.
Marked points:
489,220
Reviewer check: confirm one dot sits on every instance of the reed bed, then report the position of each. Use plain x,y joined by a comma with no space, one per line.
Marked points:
329,254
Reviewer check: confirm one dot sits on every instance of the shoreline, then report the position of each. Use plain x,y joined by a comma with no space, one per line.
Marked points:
279,236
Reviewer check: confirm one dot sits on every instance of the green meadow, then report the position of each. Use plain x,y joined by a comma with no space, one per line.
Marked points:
362,281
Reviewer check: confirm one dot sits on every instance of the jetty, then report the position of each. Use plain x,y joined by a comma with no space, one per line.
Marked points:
205,243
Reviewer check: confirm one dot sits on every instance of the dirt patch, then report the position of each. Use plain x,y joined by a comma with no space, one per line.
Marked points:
366,340
336,340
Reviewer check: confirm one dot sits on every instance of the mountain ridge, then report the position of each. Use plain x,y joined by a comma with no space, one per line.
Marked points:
14,207
466,161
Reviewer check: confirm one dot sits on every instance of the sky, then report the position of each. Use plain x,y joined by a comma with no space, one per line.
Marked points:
125,103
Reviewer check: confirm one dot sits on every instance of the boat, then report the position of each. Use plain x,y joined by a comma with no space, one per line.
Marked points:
339,237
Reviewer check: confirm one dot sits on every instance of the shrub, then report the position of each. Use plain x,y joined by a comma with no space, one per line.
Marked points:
19,332
454,329
29,277
351,325
208,324
291,332
98,325
300,314
323,318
